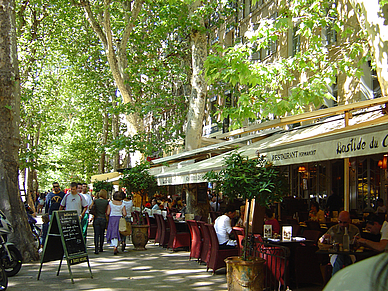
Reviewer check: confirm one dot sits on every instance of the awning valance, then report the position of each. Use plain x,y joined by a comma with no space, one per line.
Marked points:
106,177
366,134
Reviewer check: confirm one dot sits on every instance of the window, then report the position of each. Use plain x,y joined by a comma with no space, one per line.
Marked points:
295,40
271,48
375,85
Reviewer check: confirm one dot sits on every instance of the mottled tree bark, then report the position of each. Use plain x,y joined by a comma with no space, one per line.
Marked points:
197,103
197,99
10,201
115,50
105,129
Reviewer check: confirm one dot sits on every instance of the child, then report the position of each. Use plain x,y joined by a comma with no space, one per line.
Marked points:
45,226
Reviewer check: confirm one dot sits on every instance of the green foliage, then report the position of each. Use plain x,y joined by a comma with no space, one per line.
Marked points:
249,179
138,180
282,84
99,185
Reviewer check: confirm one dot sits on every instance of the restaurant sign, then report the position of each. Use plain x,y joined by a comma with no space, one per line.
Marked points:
356,145
179,179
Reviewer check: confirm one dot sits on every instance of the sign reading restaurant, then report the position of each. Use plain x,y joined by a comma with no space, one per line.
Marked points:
357,145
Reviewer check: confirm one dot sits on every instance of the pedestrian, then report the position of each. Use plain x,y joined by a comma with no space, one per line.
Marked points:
74,201
53,199
85,220
99,220
45,226
116,210
128,203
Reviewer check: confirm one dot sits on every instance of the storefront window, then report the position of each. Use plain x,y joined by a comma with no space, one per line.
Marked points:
368,183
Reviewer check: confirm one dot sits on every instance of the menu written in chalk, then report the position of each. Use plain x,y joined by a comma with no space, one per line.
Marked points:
65,240
72,234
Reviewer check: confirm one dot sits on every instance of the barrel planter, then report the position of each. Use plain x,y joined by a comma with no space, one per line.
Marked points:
245,275
139,236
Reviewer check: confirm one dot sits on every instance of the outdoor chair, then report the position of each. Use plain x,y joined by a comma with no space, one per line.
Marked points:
165,235
239,234
177,239
151,227
217,256
276,263
206,243
158,228
135,217
313,225
196,240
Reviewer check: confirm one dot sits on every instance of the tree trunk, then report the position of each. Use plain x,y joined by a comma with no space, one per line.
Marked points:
197,99
201,209
115,50
115,132
10,201
105,129
374,20
30,186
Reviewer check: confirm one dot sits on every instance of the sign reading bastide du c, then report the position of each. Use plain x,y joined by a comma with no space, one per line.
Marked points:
356,145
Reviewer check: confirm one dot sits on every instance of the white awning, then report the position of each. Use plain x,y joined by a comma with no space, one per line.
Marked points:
114,176
366,134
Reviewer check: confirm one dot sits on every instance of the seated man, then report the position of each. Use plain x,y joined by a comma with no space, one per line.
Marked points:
375,226
335,234
223,228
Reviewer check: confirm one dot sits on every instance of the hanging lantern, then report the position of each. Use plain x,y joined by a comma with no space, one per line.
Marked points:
384,166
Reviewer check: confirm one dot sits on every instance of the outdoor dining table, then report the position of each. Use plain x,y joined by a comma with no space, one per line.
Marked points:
299,258
360,255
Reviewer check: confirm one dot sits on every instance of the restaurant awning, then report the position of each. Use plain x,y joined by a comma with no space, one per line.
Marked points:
218,148
108,177
366,134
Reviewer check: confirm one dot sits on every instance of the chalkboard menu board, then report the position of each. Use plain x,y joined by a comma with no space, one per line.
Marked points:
72,233
64,239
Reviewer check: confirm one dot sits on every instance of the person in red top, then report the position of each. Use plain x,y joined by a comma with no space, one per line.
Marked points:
271,220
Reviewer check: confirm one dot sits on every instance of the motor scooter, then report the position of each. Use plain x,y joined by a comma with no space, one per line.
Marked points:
10,256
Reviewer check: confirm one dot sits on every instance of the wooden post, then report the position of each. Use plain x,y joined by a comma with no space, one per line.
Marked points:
346,173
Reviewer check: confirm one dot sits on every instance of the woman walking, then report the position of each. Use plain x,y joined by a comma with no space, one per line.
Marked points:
115,211
99,220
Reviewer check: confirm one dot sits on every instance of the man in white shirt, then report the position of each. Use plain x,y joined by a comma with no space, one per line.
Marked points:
74,201
223,228
85,220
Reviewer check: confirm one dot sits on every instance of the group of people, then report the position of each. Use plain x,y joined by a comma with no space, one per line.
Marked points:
106,213
369,274
336,233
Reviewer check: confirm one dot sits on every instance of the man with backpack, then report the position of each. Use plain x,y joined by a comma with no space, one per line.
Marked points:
74,201
54,199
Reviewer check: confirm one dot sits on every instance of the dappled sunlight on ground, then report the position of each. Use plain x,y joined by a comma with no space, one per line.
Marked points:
153,269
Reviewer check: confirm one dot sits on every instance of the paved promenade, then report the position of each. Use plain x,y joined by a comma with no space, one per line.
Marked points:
153,269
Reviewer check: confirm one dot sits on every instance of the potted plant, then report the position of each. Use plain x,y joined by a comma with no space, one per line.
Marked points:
250,179
138,180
